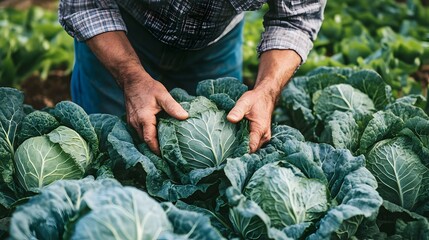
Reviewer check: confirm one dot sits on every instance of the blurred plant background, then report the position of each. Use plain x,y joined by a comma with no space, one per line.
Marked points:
389,36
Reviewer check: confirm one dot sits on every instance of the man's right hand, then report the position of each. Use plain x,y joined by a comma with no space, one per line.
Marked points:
144,96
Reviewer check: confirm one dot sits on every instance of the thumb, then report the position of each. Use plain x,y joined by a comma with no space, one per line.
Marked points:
241,108
173,108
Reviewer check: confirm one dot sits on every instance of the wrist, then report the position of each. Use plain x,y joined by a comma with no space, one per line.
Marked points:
268,89
133,77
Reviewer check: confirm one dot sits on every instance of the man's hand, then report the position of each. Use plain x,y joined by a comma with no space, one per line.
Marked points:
144,98
256,106
275,70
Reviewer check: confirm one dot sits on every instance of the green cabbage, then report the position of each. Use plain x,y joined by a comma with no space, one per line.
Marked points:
41,160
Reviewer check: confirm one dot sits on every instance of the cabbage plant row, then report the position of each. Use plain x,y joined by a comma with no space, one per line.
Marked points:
346,160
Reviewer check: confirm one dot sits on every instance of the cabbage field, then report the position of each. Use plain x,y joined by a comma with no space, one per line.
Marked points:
348,157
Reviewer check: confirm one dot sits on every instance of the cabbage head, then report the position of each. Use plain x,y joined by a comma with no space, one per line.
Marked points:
204,140
286,195
41,160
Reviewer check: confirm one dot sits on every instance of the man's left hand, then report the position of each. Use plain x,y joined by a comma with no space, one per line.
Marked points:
275,70
256,106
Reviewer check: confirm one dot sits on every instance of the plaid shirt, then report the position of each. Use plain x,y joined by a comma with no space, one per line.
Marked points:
194,24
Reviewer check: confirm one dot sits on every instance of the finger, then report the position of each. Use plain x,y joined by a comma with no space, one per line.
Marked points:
254,141
258,136
132,120
150,133
255,136
173,108
266,137
241,108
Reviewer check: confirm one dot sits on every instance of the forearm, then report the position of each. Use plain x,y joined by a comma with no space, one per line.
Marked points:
144,97
116,53
276,67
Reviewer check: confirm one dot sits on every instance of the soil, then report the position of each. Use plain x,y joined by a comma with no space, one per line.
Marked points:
46,93
24,4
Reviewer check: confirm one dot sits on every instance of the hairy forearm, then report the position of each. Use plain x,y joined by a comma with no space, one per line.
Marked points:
116,53
276,67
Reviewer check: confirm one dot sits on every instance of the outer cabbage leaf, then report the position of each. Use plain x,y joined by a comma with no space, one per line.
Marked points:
372,84
7,199
286,195
72,144
406,111
223,91
120,213
345,71
383,125
344,98
341,131
181,95
413,99
35,124
11,115
321,81
398,170
357,200
88,209
46,215
282,133
296,100
296,93
189,224
103,125
247,217
73,116
417,128
216,219
337,165
289,143
240,169
300,155
399,223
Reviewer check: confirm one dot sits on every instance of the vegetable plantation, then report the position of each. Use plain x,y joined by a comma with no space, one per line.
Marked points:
348,157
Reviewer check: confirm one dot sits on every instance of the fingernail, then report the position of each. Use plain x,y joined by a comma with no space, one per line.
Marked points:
232,116
252,148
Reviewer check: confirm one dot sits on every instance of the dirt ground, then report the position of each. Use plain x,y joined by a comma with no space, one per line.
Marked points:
47,93
23,4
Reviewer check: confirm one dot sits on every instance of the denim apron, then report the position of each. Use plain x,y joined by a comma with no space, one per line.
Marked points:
94,88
